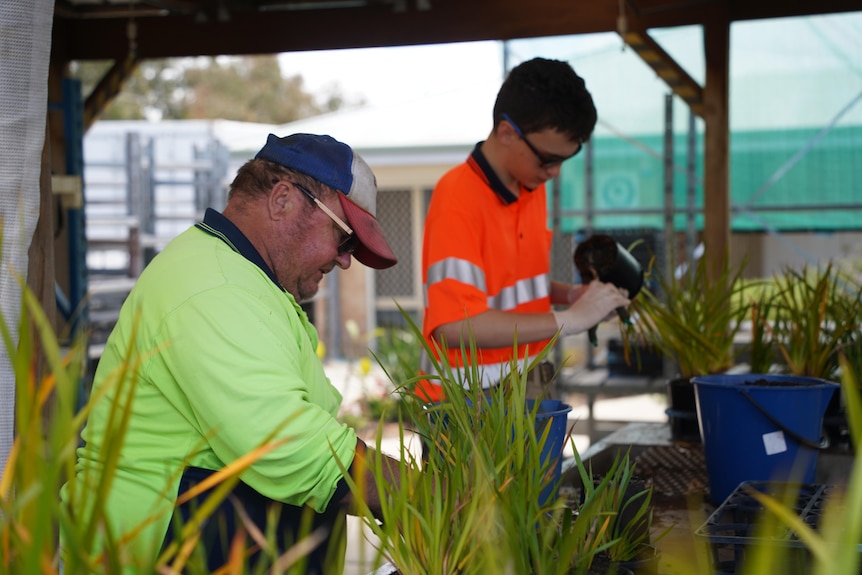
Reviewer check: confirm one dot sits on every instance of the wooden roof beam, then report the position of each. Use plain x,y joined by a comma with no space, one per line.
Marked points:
667,68
108,88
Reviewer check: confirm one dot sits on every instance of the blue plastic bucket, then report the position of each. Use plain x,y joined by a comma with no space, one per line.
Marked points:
759,427
554,413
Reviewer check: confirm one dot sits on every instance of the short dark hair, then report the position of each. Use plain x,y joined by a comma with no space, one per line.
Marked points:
256,177
539,94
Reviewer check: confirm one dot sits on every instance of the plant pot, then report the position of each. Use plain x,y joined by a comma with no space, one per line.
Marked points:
760,427
646,562
643,361
551,418
553,415
836,427
682,411
602,565
385,569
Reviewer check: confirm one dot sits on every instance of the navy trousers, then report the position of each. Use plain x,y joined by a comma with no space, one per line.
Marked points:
292,523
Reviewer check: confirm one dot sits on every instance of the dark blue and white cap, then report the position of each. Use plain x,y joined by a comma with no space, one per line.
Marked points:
336,165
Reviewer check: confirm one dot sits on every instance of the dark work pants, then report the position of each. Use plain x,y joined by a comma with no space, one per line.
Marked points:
292,524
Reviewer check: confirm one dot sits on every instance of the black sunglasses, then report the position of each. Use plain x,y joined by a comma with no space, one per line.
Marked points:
545,160
348,244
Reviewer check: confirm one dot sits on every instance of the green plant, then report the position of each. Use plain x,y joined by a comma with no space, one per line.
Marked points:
39,458
834,546
631,525
762,352
42,461
474,509
692,319
474,503
817,317
471,512
398,352
626,507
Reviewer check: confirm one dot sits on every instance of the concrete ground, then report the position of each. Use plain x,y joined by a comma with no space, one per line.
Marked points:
354,381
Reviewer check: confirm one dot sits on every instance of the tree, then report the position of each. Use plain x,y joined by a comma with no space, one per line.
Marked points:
248,89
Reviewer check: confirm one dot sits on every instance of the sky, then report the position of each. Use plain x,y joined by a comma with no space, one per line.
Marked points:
384,75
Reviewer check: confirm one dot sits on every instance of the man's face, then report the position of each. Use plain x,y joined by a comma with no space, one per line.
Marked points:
538,155
313,244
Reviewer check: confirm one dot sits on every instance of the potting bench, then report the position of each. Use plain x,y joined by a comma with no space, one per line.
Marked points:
593,383
677,471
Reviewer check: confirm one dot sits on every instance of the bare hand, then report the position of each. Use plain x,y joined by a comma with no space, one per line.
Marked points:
597,302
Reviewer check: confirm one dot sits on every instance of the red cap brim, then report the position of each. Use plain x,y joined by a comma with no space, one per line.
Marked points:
372,250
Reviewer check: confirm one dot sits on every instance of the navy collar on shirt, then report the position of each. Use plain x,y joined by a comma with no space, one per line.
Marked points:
480,162
219,226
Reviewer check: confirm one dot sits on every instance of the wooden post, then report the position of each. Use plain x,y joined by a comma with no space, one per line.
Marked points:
716,200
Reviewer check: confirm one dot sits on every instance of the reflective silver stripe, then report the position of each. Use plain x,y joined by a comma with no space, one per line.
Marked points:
490,374
459,270
523,291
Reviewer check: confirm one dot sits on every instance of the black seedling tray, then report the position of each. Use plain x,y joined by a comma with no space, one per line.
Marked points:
731,528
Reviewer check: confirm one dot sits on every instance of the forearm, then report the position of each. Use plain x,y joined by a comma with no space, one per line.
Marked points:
365,477
493,328
590,305
563,293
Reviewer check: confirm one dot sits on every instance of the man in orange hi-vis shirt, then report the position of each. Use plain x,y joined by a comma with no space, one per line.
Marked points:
486,251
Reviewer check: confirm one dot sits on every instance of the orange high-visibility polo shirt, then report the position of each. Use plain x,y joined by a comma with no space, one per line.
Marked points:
484,248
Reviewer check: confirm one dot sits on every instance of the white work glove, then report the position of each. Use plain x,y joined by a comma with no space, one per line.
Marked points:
596,303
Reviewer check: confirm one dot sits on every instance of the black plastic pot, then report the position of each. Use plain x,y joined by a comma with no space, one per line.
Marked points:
682,411
643,361
836,427
646,563
602,565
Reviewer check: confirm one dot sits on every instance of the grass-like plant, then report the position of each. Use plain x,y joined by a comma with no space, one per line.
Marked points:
834,544
762,351
817,317
692,319
398,352
628,509
474,504
42,459
40,455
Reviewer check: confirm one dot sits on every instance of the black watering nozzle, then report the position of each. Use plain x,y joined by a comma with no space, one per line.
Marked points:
601,256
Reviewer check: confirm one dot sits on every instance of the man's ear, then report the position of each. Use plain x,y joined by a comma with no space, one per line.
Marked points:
279,200
506,133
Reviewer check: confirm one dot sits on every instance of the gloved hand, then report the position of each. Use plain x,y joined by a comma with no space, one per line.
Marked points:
598,302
